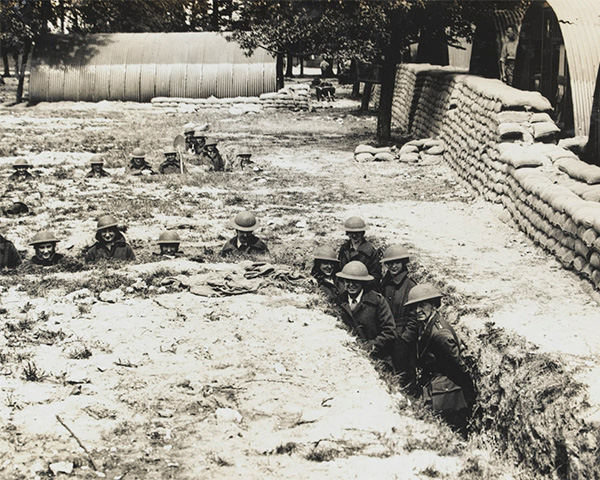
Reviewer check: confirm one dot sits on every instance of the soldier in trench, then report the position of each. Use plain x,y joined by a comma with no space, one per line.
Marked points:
9,256
440,369
358,248
97,170
44,245
244,242
110,242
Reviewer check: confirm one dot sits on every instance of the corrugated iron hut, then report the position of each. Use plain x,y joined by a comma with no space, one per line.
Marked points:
559,55
139,66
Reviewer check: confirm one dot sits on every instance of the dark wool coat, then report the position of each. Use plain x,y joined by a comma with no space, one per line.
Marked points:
371,319
9,257
395,291
170,166
47,263
366,253
120,250
438,352
254,246
330,289
143,169
214,161
101,173
21,176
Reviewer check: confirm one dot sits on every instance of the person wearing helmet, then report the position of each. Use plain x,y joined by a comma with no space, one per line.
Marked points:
44,245
242,159
366,312
211,157
168,243
172,162
188,132
110,242
358,248
324,270
9,256
96,163
138,164
199,140
244,242
396,283
441,371
21,171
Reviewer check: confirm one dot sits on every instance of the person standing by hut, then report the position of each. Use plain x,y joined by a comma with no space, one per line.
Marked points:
509,54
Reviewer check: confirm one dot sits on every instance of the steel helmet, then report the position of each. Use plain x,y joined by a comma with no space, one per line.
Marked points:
45,236
395,252
325,253
355,224
97,159
244,151
189,128
170,151
138,153
169,237
355,270
199,132
244,221
421,293
106,221
210,141
21,162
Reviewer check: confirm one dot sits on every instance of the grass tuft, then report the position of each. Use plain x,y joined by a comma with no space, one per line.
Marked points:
33,373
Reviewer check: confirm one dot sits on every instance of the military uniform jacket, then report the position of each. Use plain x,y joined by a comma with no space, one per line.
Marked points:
120,250
170,166
329,288
47,263
21,176
365,253
395,291
438,352
9,257
214,161
143,169
101,173
371,319
254,246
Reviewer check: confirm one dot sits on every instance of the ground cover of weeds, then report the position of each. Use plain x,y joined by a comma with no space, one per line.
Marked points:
158,396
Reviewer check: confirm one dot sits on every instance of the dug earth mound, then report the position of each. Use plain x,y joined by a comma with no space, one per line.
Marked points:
154,381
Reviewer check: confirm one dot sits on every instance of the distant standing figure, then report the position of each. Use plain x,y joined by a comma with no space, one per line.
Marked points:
325,267
509,54
138,164
211,157
110,242
21,173
44,244
245,242
324,66
96,163
172,162
358,248
169,242
9,256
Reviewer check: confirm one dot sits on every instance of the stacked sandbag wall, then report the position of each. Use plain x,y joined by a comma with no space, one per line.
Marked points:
501,143
294,97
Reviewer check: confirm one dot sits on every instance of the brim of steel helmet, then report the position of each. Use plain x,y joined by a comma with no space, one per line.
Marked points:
395,257
22,165
164,242
423,298
234,225
366,278
104,227
361,229
97,162
323,257
39,242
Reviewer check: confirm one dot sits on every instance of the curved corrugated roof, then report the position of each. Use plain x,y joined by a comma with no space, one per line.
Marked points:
139,66
579,22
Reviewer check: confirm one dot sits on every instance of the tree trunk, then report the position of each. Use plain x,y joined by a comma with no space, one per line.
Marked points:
215,15
289,67
391,58
301,66
24,59
366,97
279,71
6,64
354,76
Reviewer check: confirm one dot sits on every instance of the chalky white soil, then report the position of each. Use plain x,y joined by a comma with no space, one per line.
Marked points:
262,385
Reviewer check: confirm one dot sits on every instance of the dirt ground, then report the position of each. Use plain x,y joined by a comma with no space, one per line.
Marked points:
157,382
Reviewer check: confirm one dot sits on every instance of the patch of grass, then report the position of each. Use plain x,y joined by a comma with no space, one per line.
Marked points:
33,373
286,448
49,337
80,352
22,325
322,455
219,460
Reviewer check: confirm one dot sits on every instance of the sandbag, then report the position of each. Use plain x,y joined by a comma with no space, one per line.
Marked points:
579,170
406,148
409,158
544,129
365,149
510,131
435,150
364,157
512,116
384,157
540,117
